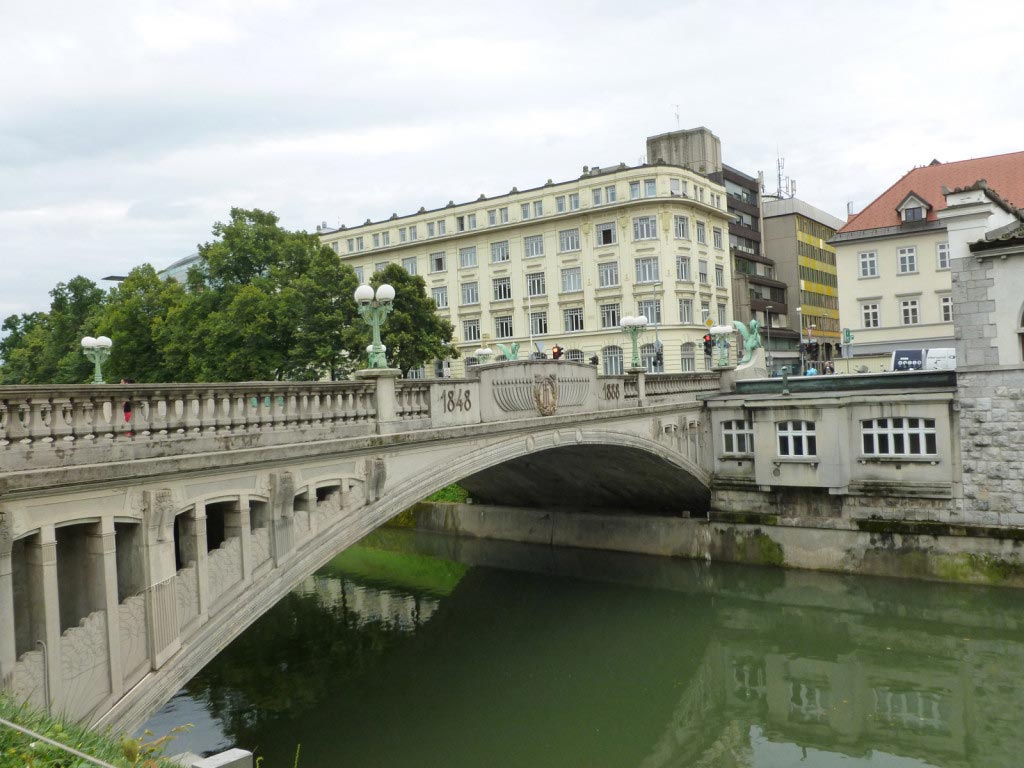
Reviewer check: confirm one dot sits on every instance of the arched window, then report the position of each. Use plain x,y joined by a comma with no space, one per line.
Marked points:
612,357
574,355
471,361
647,355
688,355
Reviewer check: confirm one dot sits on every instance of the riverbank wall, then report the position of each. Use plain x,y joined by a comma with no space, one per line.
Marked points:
971,554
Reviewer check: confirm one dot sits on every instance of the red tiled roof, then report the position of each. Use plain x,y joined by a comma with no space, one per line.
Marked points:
1004,174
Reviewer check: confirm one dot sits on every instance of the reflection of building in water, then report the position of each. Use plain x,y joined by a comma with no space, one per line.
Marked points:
371,604
843,684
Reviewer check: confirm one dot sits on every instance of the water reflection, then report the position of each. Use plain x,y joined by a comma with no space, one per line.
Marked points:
509,655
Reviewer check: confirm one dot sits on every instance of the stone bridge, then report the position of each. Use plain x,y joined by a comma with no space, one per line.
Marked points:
143,527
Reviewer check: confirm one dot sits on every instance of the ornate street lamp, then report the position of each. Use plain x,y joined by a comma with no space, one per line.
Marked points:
97,350
632,326
374,309
483,355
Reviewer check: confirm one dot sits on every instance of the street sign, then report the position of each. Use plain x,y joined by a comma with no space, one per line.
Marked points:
709,322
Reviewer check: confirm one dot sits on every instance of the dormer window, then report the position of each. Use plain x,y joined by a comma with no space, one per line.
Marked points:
913,208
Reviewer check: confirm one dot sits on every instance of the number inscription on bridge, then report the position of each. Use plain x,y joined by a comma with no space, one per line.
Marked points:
456,400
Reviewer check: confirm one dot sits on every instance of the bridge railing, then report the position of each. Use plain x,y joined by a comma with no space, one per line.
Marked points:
54,426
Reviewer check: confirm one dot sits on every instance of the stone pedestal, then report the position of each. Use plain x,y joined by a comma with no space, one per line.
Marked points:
385,394
641,383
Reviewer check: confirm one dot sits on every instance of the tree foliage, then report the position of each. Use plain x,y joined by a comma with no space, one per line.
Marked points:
262,303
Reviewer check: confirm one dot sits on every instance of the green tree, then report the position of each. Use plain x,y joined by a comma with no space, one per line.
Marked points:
414,333
134,316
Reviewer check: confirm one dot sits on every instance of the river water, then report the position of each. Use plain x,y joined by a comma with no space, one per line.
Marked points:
422,650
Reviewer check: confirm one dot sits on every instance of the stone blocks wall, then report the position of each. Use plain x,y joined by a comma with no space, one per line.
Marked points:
992,445
973,307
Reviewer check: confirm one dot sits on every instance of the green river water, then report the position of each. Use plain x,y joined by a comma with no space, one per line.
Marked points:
423,650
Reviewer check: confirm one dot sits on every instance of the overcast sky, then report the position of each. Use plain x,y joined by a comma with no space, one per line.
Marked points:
128,128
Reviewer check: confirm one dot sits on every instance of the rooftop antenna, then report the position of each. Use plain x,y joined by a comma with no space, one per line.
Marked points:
677,116
783,188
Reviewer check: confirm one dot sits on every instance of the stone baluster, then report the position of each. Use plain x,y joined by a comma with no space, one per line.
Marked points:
279,409
158,408
192,418
61,418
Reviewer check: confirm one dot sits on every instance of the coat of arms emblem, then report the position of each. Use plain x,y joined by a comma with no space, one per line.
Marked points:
545,394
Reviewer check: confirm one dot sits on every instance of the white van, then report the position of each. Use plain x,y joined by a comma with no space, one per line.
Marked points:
940,359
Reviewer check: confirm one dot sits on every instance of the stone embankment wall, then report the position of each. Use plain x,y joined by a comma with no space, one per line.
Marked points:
992,445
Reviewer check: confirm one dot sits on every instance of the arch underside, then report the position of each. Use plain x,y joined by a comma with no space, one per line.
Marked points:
592,478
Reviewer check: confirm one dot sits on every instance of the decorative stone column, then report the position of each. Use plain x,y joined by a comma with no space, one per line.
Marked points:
198,537
384,395
282,516
641,384
236,525
41,562
101,549
158,561
8,648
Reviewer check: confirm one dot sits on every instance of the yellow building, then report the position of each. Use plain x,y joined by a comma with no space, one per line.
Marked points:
564,263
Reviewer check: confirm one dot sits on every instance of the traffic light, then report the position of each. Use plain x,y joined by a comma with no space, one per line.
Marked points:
593,359
839,350
659,358
556,352
707,344
814,350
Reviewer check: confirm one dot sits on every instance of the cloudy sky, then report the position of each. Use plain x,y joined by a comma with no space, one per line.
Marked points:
128,128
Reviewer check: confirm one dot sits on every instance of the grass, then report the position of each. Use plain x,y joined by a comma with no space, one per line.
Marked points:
415,572
18,750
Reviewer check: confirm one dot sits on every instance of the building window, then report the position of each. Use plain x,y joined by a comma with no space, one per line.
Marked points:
538,323
898,436
737,437
503,327
560,204
467,257
359,275
502,288
612,357
907,259
568,240
683,268
868,263
409,265
492,217
524,211
610,196
385,238
647,269
716,237
701,235
503,215
610,315
634,190
430,229
649,359
650,188
942,255
688,357
597,196
376,240
538,207
359,243
686,311
719,276
651,309
412,233
675,186
914,213
351,244
574,201
574,355
533,246
499,252
910,312
721,315
606,234
682,227
334,246
645,228
535,284
471,220
702,271
573,319
608,274
438,262
572,280
797,438
471,330
402,237
470,293
440,296
380,266
946,308
869,315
